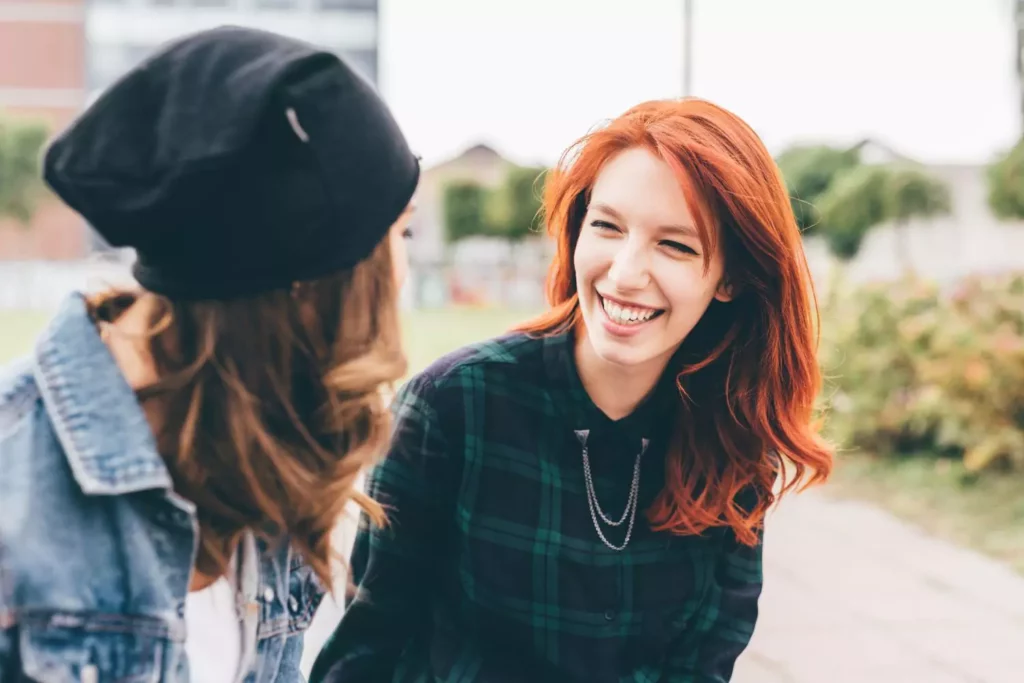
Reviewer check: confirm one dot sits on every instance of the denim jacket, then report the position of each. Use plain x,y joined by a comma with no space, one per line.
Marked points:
96,549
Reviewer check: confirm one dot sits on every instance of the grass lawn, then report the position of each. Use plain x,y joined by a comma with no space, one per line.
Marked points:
17,332
429,334
984,513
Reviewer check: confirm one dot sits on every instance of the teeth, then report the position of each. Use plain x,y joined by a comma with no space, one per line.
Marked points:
627,315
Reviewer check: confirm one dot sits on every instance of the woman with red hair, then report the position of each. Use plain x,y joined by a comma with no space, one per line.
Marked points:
583,499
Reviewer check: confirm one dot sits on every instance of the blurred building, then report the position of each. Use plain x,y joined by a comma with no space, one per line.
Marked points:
481,164
58,55
119,33
42,76
971,239
479,269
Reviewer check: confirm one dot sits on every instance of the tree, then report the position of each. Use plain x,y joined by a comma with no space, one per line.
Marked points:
515,206
809,172
850,208
465,210
867,196
21,145
1006,184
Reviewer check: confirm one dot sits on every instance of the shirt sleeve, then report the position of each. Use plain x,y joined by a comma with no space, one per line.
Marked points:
393,566
727,620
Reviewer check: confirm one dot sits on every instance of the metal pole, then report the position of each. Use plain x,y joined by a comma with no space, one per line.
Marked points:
688,47
1019,57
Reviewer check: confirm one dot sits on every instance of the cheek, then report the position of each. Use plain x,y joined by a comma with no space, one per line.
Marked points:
589,261
399,260
685,286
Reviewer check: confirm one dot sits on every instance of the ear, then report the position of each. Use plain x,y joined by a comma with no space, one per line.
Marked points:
725,292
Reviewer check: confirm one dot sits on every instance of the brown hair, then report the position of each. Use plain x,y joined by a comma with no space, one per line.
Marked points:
749,373
267,408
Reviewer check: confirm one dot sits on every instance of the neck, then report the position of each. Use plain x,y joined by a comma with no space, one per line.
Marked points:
616,390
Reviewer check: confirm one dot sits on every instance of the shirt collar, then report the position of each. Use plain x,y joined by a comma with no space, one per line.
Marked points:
651,419
95,413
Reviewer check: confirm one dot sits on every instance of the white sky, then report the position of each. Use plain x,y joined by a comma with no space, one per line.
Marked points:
934,79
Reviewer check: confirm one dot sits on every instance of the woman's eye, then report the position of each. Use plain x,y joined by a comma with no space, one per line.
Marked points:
604,226
407,233
680,247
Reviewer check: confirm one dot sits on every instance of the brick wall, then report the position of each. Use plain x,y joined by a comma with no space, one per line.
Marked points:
42,76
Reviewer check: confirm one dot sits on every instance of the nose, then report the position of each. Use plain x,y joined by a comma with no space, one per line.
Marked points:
630,270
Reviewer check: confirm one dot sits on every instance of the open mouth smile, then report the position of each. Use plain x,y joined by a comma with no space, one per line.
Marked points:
626,314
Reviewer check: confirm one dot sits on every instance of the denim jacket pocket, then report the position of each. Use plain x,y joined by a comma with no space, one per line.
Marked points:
90,649
305,594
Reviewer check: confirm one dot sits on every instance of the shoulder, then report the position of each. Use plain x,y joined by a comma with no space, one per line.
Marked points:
29,449
35,482
517,354
20,399
508,350
23,453
447,397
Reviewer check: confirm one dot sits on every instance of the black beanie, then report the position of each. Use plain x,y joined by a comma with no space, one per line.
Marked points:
236,161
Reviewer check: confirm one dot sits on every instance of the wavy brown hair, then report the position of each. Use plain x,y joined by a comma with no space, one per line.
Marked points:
747,373
267,408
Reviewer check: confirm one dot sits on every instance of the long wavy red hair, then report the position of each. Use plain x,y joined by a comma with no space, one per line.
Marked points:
747,373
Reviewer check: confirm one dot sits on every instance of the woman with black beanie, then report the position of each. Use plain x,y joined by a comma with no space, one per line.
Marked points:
174,456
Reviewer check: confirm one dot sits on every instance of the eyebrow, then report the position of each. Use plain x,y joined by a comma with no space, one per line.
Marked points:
688,230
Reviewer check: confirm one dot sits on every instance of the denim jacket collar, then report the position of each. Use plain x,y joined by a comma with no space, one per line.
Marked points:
96,416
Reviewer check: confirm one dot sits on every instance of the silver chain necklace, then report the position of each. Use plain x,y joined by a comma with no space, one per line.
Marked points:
595,506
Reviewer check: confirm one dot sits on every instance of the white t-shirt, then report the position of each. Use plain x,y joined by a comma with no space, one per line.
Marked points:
214,642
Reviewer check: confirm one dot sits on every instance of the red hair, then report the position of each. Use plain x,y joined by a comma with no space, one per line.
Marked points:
747,373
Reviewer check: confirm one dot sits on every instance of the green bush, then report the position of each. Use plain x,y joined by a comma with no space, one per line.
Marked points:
809,172
21,144
1006,184
912,369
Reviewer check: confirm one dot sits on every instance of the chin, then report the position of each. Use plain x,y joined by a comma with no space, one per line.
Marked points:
632,350
618,352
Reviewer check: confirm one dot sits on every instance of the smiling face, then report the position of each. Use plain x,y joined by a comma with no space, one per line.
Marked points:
639,263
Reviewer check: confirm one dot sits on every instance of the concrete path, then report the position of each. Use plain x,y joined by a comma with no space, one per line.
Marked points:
853,595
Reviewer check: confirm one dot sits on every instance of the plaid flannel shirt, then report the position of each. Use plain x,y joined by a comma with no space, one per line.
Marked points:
491,569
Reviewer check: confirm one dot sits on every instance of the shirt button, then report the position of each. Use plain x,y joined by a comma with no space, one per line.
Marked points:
293,604
268,595
609,615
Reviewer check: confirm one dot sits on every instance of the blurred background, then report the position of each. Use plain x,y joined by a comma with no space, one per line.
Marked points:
897,126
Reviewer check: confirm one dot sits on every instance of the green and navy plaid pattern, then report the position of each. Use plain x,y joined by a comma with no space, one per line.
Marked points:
491,569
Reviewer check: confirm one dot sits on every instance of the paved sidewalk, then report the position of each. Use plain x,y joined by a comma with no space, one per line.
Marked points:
853,595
